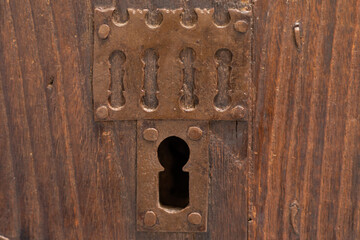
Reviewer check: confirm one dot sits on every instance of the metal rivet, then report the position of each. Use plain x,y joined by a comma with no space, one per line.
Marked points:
238,112
150,219
151,134
194,218
102,112
104,31
194,133
241,26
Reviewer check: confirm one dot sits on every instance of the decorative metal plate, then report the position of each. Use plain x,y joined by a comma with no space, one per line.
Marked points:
171,71
151,214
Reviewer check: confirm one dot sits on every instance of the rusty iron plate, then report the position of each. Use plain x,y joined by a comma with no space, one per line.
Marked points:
171,71
152,214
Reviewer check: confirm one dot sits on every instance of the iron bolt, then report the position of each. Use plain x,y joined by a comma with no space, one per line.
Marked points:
150,219
194,218
151,134
241,26
194,133
104,31
102,112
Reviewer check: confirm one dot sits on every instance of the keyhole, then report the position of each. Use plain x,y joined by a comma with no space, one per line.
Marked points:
173,154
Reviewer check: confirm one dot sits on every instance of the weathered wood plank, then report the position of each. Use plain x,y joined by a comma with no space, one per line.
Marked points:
82,129
29,205
334,136
36,107
116,161
301,122
59,126
228,165
348,211
9,217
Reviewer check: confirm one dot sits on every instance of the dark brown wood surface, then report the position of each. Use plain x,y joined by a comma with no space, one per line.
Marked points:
64,176
306,126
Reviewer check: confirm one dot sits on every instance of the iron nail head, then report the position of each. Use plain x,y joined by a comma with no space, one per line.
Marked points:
194,133
238,112
194,218
151,134
241,26
150,219
102,112
104,31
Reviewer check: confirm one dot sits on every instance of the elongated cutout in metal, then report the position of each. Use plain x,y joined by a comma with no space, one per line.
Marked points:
117,60
188,100
149,100
223,58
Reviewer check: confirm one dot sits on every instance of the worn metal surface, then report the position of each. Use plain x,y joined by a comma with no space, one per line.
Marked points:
192,218
171,71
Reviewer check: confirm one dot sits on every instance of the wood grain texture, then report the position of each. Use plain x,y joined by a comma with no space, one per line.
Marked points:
64,176
228,165
305,152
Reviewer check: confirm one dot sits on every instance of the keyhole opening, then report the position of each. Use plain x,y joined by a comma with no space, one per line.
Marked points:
173,154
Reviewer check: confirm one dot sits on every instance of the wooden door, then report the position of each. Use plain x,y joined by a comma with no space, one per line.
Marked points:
293,174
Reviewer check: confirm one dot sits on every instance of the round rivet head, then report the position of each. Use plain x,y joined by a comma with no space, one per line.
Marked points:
194,218
194,133
241,26
151,134
102,112
238,112
104,31
150,219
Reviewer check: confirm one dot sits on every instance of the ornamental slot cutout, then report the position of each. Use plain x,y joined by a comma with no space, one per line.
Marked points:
117,60
223,58
149,100
188,100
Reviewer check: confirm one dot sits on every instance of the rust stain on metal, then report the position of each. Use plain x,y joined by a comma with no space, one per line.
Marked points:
177,67
192,217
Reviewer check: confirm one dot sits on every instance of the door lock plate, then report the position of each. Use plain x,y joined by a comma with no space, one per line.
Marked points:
173,78
169,70
172,176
